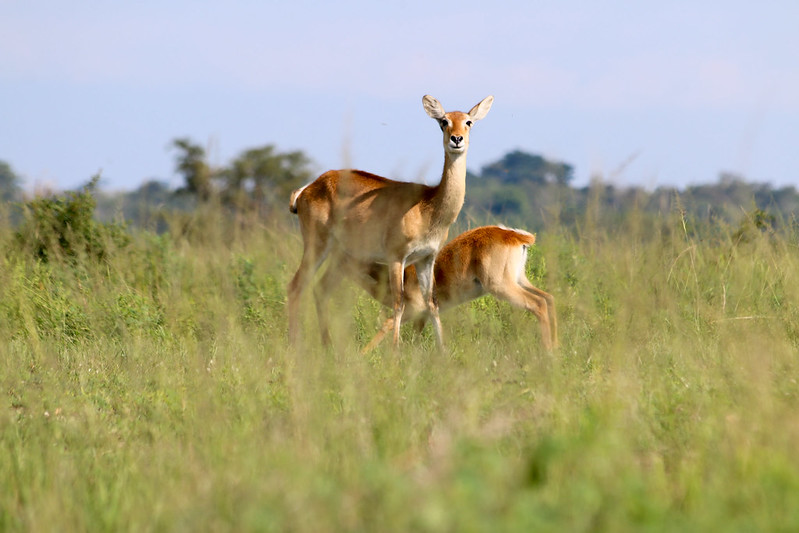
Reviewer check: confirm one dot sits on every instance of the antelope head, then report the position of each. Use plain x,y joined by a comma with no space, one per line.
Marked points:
455,125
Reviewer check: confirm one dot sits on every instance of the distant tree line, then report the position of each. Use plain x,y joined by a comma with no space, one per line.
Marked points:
521,189
532,191
256,179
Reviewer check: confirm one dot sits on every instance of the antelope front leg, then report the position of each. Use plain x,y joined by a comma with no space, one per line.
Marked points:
424,273
396,272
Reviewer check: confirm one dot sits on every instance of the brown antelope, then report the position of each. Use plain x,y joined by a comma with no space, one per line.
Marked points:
485,260
350,215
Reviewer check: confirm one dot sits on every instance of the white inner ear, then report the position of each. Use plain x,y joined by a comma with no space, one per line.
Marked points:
433,107
479,111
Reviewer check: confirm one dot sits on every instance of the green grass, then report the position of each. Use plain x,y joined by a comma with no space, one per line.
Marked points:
154,390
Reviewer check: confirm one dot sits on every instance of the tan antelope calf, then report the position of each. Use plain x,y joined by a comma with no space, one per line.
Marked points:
351,215
485,260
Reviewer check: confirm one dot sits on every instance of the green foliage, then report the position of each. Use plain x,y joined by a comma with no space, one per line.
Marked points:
9,183
262,177
65,228
518,166
520,189
40,303
191,162
259,179
758,221
158,386
529,190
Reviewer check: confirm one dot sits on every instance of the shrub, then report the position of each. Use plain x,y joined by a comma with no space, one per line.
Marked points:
65,227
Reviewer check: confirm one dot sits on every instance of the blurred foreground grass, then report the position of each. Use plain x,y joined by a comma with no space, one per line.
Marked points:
152,389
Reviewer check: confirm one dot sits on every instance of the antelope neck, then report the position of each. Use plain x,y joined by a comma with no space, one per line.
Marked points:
451,192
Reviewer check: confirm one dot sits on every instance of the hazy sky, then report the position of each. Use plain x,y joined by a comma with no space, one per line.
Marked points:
648,93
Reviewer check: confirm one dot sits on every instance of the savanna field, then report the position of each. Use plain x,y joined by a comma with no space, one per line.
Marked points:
148,385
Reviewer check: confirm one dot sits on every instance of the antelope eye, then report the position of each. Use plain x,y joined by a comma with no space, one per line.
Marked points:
444,123
469,123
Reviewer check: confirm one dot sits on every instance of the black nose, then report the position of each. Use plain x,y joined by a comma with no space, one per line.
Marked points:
456,140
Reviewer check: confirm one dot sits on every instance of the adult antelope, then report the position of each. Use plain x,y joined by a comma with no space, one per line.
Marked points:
350,215
485,260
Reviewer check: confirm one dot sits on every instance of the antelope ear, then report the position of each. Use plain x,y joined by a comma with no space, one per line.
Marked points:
433,107
481,110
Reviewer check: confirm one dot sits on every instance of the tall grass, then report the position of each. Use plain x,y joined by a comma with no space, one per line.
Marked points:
152,389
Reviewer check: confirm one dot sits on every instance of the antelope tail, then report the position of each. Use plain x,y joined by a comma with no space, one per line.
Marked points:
295,195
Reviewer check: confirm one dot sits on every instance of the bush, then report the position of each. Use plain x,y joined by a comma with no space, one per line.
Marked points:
64,227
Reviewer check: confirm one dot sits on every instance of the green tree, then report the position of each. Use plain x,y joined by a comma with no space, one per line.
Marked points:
263,176
518,166
192,163
522,188
65,227
9,183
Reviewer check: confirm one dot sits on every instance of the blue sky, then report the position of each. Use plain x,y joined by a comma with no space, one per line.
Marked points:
644,93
